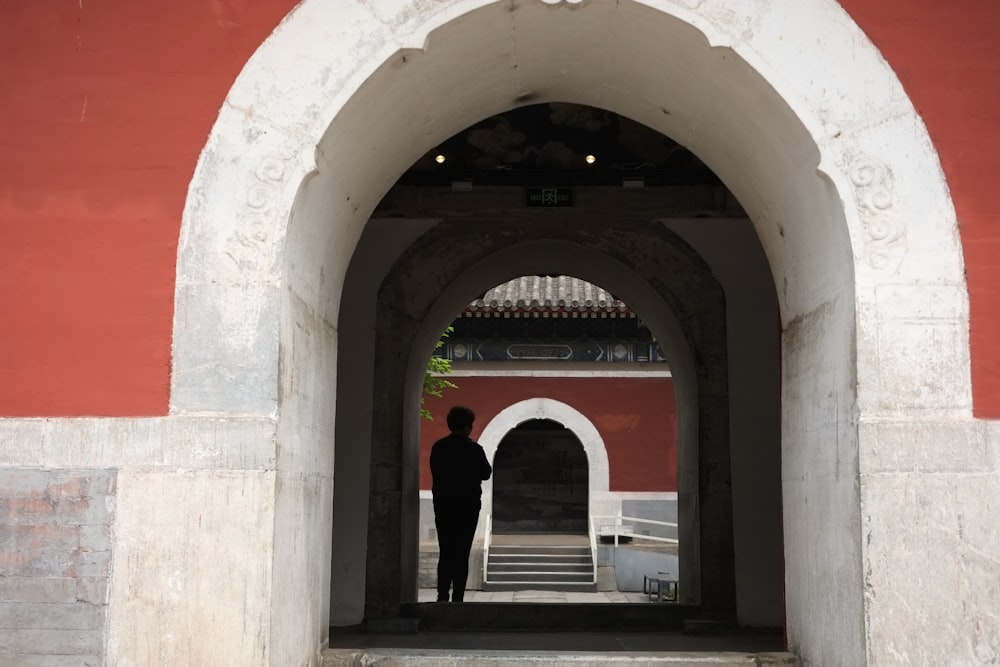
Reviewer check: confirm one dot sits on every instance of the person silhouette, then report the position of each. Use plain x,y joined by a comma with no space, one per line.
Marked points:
458,468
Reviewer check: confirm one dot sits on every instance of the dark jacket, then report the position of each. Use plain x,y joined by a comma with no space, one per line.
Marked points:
458,467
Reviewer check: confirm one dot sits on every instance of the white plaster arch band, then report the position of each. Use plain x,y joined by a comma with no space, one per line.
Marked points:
557,411
289,114
546,408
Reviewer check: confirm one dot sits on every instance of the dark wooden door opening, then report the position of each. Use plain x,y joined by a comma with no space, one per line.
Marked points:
540,480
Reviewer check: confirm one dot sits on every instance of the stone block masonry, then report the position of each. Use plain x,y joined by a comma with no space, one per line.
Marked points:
55,560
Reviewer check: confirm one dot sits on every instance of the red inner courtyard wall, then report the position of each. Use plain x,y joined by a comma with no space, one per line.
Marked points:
636,418
107,105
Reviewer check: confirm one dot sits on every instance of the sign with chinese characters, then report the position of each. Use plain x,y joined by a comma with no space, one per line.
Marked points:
549,197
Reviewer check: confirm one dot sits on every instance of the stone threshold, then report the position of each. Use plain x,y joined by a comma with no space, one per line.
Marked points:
389,657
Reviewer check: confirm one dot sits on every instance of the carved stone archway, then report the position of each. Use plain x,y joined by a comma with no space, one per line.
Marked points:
832,164
653,270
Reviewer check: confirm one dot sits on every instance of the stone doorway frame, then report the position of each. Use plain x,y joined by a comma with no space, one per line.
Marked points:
832,164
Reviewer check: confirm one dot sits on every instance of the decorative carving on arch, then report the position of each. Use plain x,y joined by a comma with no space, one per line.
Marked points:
247,248
885,236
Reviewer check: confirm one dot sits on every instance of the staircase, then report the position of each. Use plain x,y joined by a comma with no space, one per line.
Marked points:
540,562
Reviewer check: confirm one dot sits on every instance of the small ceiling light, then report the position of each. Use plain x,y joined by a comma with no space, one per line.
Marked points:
590,159
440,158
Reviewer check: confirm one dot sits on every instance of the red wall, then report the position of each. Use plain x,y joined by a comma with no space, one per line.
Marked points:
105,107
107,103
635,417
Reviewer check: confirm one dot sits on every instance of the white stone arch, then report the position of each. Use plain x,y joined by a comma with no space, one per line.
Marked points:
832,163
557,411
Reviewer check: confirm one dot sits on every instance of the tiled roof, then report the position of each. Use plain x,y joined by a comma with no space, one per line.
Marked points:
548,294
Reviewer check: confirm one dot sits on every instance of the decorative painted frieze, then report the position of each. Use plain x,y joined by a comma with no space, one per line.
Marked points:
598,351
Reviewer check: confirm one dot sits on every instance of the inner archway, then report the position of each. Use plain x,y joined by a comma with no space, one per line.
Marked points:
420,296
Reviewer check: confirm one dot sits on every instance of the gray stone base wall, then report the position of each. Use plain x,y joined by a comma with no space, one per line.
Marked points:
427,567
55,560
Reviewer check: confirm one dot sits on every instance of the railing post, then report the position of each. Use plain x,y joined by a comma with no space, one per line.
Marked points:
618,524
486,545
593,549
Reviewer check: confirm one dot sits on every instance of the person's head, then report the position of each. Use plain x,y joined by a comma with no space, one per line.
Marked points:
460,419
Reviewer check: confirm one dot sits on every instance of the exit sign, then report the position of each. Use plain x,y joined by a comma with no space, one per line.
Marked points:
550,197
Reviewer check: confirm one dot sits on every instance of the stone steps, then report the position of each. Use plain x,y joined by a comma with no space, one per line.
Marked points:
540,567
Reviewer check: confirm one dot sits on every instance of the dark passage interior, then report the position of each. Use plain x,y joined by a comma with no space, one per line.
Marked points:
551,190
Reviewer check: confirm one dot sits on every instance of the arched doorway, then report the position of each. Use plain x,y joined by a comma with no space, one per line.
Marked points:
540,480
691,327
282,193
548,410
